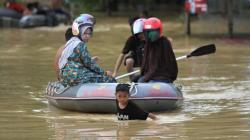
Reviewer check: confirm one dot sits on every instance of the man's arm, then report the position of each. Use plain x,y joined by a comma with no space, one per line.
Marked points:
118,64
152,116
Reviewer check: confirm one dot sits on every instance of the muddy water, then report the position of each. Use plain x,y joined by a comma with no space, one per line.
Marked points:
215,87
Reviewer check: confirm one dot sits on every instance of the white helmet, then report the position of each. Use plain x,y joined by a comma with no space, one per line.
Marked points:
85,20
138,26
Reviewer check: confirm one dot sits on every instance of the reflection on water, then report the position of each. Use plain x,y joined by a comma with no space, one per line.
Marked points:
73,126
216,88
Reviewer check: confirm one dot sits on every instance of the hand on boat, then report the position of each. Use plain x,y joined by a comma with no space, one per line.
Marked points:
152,116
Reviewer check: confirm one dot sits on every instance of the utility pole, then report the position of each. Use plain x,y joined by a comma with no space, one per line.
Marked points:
230,17
187,25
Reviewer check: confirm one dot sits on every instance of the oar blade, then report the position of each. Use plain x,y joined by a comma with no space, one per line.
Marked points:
207,49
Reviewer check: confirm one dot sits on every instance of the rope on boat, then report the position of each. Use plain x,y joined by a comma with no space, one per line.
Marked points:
133,86
55,88
66,88
178,86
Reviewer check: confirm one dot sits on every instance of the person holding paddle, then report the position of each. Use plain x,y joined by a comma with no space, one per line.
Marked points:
75,62
159,62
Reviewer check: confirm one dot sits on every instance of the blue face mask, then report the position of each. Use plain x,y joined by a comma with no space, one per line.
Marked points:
152,35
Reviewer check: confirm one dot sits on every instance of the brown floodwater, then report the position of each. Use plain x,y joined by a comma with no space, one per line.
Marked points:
216,87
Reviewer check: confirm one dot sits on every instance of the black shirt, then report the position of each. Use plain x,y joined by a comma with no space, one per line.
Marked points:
136,47
131,112
131,44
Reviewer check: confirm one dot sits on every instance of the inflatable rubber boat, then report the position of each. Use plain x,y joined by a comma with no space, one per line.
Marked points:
11,18
100,97
42,20
6,12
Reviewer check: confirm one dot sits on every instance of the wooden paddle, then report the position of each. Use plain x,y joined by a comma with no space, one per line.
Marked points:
203,50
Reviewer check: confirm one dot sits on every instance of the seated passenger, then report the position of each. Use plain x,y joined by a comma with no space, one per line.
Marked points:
75,63
159,62
132,52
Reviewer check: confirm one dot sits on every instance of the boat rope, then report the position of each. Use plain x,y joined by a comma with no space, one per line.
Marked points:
55,88
178,86
133,86
66,88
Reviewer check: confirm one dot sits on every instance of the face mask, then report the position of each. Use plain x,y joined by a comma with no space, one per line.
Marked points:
152,35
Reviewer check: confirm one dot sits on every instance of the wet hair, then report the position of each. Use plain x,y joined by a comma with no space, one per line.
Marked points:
144,13
122,87
132,20
68,34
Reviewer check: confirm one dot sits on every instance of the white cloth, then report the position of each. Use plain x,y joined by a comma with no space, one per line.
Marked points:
68,50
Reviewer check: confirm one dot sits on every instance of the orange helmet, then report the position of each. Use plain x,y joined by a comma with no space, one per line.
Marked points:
152,29
153,23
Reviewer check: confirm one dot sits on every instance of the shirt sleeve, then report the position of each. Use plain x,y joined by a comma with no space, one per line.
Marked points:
138,113
88,62
128,45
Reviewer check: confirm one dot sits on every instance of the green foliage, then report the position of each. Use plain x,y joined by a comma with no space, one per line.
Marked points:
1,4
91,5
86,5
144,1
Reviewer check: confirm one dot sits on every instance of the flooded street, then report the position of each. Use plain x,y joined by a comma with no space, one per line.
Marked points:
215,87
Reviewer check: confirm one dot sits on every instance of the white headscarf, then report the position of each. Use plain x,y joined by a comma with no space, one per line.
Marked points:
68,50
